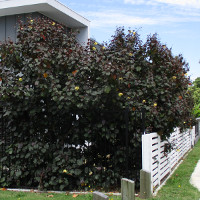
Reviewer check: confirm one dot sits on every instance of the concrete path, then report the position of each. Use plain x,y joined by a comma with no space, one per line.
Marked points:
195,178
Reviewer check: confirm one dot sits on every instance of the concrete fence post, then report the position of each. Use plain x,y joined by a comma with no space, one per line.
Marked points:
99,196
127,189
146,190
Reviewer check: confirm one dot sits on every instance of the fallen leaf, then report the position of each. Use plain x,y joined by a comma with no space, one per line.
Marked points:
74,195
50,195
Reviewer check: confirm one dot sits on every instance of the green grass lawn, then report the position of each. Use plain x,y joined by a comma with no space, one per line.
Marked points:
9,195
177,187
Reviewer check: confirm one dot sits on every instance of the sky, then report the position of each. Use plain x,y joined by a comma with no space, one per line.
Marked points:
177,23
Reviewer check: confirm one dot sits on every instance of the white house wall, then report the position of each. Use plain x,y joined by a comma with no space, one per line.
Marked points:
83,35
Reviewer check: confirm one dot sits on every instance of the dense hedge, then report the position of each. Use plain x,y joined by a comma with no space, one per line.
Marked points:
60,95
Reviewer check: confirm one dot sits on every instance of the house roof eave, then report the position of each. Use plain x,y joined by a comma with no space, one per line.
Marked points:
50,8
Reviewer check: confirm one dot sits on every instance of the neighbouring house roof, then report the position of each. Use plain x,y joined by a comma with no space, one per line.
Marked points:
50,8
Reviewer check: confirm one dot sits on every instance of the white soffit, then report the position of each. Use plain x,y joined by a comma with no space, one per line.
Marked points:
50,8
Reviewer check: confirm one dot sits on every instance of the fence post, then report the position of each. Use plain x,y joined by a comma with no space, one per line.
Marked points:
146,186
158,159
177,144
171,140
99,196
197,130
192,132
127,189
147,152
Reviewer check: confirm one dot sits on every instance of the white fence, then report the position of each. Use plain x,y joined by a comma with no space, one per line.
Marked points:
159,163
